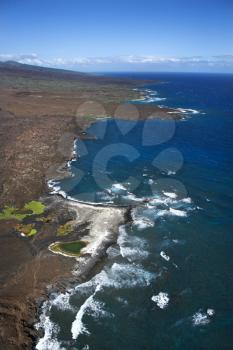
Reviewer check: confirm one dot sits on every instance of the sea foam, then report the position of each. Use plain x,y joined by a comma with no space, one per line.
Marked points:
91,307
131,247
164,256
161,300
201,318
48,341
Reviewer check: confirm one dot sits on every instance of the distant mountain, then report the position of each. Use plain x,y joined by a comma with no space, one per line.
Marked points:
14,67
37,72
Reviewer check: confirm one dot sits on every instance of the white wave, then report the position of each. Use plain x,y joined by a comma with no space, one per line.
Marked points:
176,241
133,254
187,200
61,301
62,193
118,188
177,212
155,201
161,300
48,341
210,312
142,223
56,188
170,194
164,256
202,318
118,276
149,99
170,172
78,326
193,111
161,213
168,200
91,307
131,247
113,252
132,197
160,206
54,185
135,275
104,196
187,111
149,96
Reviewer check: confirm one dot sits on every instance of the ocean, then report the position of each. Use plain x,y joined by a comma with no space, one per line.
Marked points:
168,281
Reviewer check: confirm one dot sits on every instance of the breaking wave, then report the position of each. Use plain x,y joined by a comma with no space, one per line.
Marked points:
91,307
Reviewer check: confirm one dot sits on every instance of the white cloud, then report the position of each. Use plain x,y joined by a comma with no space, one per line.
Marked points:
225,61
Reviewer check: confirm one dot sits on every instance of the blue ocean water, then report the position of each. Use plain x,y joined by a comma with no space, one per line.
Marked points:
168,282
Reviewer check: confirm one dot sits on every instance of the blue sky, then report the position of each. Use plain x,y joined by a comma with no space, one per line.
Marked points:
149,35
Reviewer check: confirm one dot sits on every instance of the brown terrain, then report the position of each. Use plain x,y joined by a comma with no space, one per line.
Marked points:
42,111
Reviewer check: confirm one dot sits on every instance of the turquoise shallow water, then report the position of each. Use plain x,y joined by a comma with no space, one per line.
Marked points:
167,283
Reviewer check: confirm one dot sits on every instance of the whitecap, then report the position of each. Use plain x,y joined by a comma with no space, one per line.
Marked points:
170,194
162,212
104,196
61,301
162,300
188,110
48,341
176,241
131,247
56,188
113,252
142,223
177,212
187,200
193,111
210,312
131,275
118,188
170,172
164,256
91,307
155,201
132,197
119,276
149,96
200,319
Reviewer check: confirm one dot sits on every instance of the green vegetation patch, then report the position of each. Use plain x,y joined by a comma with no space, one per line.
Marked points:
64,230
27,230
68,248
36,207
9,213
31,208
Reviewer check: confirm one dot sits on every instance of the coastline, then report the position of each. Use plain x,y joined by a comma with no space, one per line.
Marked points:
99,218
60,274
